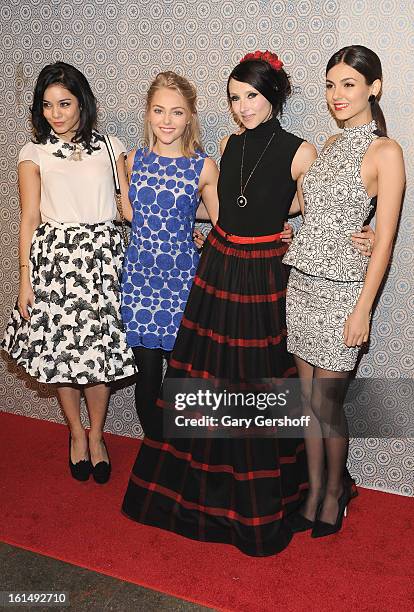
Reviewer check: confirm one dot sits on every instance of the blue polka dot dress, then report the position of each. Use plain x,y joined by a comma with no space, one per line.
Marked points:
161,259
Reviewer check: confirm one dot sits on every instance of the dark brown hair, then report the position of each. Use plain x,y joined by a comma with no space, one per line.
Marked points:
366,62
273,84
74,81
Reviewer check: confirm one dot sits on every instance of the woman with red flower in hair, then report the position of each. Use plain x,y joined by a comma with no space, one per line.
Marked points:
236,490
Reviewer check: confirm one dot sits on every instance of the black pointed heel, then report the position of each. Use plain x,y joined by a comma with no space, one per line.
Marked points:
80,470
102,470
322,529
297,523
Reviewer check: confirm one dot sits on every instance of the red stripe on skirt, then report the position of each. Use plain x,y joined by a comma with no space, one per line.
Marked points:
238,297
244,253
302,487
231,514
188,367
250,343
291,458
217,468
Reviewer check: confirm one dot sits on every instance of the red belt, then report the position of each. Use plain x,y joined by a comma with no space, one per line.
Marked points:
247,239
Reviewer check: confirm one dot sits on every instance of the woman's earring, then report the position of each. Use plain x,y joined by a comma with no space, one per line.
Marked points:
371,99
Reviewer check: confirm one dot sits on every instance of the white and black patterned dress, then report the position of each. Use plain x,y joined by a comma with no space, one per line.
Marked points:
75,334
328,272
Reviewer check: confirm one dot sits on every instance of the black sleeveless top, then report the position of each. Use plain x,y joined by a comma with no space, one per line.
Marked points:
271,188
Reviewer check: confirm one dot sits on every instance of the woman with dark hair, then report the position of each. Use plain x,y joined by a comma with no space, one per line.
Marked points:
235,490
66,326
332,286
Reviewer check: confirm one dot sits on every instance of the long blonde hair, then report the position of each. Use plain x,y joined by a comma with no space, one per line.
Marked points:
191,140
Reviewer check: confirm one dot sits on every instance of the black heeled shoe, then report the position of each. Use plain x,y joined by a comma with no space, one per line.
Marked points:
350,483
297,522
80,470
322,529
102,470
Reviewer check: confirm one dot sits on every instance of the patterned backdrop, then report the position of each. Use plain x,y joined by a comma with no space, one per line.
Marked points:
120,46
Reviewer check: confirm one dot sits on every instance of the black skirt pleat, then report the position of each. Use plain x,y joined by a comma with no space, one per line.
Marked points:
237,490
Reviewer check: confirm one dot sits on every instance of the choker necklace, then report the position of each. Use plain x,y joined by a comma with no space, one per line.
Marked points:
242,200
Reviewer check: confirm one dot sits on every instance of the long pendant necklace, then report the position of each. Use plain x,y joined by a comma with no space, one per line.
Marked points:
242,200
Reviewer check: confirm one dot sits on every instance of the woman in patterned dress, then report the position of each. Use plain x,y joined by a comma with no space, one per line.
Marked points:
167,179
66,328
332,286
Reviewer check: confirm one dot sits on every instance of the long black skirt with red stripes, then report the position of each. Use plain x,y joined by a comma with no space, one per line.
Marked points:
235,490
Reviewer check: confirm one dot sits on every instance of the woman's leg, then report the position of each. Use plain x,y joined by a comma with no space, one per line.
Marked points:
69,398
315,453
147,388
328,395
97,398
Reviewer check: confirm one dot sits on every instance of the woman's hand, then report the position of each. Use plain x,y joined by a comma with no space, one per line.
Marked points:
287,234
364,240
25,299
199,238
356,328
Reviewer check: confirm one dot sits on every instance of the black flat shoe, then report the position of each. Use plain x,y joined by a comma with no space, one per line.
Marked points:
322,529
102,470
80,470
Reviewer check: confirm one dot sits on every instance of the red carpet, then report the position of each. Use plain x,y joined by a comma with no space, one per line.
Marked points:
368,566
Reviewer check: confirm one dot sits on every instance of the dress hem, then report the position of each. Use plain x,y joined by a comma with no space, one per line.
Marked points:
213,538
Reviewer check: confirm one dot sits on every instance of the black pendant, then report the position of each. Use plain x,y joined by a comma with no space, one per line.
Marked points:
241,201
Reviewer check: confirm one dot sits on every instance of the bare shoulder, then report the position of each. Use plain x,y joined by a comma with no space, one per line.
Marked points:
130,156
307,150
223,143
387,149
305,154
130,160
330,140
303,159
209,168
209,165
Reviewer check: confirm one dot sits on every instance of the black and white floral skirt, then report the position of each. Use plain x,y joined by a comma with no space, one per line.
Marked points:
75,333
316,311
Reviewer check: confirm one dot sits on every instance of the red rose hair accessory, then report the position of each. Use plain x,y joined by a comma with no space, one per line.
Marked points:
265,56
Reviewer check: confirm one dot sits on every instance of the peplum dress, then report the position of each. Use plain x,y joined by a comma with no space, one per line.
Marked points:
328,272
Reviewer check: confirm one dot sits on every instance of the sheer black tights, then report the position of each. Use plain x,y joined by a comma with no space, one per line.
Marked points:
326,439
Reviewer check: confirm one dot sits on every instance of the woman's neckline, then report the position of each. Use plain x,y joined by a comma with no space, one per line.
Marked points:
265,129
165,156
358,130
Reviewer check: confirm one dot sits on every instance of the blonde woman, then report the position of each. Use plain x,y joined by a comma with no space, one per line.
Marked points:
167,179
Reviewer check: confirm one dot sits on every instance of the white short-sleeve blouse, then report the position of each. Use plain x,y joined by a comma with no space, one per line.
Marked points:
75,191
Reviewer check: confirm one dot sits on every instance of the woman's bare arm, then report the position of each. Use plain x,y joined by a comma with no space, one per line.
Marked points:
207,188
124,169
29,188
391,181
304,158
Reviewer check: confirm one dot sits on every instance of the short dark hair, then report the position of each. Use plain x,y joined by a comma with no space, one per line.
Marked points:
366,62
273,84
74,81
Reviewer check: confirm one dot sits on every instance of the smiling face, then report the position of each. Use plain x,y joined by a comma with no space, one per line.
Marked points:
61,111
168,115
249,106
347,94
